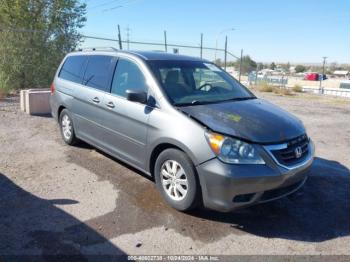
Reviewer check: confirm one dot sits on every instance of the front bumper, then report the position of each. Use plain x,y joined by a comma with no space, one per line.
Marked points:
226,187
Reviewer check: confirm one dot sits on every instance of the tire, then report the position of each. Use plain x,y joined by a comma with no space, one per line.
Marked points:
175,191
66,122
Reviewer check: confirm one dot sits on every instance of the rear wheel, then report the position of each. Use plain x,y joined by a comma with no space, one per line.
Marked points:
67,128
176,180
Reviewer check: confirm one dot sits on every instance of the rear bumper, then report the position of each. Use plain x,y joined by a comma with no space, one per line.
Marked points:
54,106
228,187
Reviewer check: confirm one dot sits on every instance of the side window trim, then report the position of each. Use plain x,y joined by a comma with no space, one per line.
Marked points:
84,69
115,71
111,73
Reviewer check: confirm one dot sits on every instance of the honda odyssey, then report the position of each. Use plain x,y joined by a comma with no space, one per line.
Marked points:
203,137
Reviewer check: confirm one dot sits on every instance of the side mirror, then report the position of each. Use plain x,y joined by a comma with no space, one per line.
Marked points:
136,95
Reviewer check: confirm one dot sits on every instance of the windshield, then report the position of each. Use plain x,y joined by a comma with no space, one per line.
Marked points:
196,82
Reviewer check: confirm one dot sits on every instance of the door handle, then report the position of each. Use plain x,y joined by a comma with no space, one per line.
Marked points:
96,100
110,104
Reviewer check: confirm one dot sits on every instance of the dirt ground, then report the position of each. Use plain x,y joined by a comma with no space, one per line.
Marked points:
56,199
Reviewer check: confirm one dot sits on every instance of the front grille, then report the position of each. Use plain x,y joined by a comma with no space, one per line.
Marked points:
288,156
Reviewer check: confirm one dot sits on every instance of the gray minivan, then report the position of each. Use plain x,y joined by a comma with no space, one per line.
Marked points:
203,137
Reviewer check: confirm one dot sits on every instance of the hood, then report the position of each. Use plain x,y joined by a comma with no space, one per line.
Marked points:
255,120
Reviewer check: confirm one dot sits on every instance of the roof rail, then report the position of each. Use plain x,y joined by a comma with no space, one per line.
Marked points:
98,49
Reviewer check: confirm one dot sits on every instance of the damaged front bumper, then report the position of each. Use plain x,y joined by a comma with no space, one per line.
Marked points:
226,187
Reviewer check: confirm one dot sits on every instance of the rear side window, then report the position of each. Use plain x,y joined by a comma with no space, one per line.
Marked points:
99,72
72,69
127,76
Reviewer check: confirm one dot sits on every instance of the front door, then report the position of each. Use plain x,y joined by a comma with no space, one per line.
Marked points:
126,121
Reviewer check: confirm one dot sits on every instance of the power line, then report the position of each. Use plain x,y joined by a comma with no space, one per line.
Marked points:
103,4
126,3
112,8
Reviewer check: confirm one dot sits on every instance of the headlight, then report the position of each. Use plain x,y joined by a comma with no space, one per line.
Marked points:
233,151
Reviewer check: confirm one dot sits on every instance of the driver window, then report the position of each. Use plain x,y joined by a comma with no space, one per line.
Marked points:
127,76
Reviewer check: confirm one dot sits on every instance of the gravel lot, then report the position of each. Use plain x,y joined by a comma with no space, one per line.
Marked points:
56,199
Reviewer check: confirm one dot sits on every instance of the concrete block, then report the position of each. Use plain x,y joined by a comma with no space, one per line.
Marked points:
37,102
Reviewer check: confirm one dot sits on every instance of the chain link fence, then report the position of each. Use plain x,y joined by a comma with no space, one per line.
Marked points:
200,50
222,57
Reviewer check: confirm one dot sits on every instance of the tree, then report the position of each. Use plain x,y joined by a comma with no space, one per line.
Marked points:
285,67
273,66
248,64
300,69
218,62
35,36
260,66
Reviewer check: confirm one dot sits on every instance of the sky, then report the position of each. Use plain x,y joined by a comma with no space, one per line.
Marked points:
294,31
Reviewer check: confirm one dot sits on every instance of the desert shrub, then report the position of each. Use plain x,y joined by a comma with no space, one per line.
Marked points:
300,69
265,87
282,91
297,88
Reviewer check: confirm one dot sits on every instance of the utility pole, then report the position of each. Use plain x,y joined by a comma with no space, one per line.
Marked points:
128,36
165,42
240,66
120,39
201,45
323,70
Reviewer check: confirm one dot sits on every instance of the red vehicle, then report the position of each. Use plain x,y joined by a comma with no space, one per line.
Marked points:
315,77
311,76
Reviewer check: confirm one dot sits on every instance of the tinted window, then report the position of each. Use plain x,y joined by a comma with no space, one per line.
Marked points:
127,76
72,68
99,72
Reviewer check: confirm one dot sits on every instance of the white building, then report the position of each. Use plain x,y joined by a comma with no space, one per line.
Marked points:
341,73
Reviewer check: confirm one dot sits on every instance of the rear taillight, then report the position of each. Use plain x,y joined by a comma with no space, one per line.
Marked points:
52,88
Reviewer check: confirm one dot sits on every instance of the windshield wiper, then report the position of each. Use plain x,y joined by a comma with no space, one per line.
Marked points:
194,103
238,99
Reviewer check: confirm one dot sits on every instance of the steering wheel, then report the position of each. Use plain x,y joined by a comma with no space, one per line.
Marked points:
204,85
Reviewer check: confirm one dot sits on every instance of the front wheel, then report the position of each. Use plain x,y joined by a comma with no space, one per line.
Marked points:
176,180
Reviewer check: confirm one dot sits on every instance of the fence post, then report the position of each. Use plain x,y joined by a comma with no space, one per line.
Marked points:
120,39
282,80
201,45
165,42
225,52
240,66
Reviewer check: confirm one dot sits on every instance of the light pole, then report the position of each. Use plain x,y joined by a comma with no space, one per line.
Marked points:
323,69
217,38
